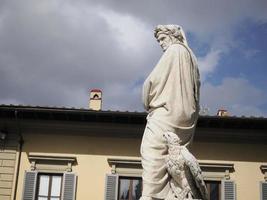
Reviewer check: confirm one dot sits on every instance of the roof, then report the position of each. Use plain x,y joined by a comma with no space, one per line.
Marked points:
96,90
126,124
87,115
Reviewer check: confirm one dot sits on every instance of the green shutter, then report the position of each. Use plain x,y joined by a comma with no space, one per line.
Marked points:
228,190
111,190
29,190
263,189
69,186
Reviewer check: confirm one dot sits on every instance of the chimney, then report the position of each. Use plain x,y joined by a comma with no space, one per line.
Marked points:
222,113
95,102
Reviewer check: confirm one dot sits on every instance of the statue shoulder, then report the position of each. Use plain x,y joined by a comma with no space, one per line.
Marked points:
178,48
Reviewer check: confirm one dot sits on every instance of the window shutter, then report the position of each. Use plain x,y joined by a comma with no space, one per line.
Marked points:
29,190
69,186
228,190
111,190
263,188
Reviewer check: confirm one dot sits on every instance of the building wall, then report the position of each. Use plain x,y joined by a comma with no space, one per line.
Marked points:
92,154
247,159
8,165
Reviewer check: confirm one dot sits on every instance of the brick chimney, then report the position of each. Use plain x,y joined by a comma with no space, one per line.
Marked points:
222,113
95,102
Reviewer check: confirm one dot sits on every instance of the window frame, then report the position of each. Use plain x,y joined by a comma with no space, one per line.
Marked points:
49,184
263,183
211,171
50,164
124,176
220,187
219,172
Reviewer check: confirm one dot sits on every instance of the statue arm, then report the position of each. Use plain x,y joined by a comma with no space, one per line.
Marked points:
155,82
145,96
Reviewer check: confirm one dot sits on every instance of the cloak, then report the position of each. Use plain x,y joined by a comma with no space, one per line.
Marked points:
171,91
171,97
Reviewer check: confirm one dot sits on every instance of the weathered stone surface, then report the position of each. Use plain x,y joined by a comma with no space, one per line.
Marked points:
6,170
5,184
187,179
6,177
171,98
8,153
5,197
7,156
8,163
4,191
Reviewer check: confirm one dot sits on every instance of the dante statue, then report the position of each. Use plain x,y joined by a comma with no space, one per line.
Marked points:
171,98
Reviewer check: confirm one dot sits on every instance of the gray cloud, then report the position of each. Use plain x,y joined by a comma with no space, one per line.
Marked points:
53,52
237,95
53,57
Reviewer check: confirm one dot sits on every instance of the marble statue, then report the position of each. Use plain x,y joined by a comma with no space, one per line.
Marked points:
171,98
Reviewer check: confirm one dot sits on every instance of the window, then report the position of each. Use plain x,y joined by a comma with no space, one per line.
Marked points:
40,186
50,178
130,188
263,184
125,180
96,96
214,189
125,183
49,187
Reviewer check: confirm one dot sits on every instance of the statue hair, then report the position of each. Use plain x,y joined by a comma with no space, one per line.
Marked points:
174,31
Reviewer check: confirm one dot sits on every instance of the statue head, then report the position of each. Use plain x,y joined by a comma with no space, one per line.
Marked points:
169,34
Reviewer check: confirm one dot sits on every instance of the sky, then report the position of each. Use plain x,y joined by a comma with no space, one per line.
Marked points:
53,52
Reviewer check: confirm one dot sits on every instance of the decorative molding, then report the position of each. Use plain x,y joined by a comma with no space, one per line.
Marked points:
40,159
118,161
264,171
224,168
263,168
122,166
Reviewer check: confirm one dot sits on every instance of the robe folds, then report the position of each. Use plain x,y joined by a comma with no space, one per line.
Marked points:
171,97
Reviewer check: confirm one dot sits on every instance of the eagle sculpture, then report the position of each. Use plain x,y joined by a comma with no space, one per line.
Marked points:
187,182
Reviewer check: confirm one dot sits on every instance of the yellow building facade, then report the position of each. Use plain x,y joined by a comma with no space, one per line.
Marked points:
59,153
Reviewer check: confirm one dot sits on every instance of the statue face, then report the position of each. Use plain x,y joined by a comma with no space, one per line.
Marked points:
164,41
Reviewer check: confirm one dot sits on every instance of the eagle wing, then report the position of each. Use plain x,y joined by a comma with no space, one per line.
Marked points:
195,170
